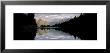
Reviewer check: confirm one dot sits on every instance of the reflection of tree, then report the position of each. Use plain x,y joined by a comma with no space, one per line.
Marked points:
84,26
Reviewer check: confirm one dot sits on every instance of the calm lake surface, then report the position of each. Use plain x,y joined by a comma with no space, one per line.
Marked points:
53,34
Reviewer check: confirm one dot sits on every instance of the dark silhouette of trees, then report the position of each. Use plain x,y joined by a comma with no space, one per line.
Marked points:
84,26
24,26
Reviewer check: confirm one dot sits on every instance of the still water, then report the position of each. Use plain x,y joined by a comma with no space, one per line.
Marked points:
53,34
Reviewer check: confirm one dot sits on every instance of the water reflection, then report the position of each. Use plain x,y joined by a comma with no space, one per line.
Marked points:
53,34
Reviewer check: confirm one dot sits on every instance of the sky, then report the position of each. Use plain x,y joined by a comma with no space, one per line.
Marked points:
55,18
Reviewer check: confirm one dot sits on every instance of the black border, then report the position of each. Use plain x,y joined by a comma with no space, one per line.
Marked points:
3,3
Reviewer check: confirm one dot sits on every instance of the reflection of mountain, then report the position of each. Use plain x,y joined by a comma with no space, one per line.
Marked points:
42,31
52,34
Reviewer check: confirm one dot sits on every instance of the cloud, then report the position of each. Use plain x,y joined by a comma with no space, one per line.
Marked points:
54,18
